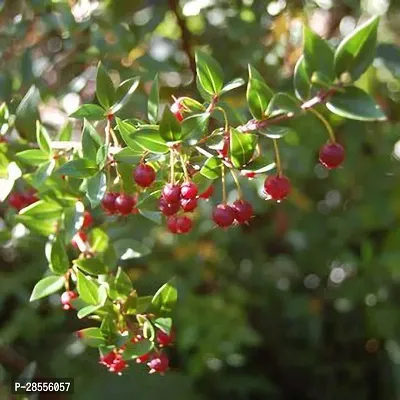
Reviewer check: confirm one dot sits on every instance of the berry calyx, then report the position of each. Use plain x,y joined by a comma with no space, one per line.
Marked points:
108,202
66,299
183,224
278,187
188,205
172,224
167,208
165,339
207,193
78,238
87,219
171,193
177,109
144,175
243,211
124,204
223,215
189,190
331,155
158,363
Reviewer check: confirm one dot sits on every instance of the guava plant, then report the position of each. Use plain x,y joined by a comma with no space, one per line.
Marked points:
161,166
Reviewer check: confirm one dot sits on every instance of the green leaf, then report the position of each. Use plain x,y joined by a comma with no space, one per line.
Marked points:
282,103
212,168
92,337
59,262
87,289
242,147
153,216
274,132
43,138
99,240
354,103
80,168
128,156
164,324
65,132
318,56
101,155
140,348
91,112
165,298
122,285
233,84
170,128
125,172
124,93
92,265
258,94
33,156
42,173
153,104
27,114
193,127
127,130
96,187
47,286
357,51
130,248
91,141
302,84
43,210
105,90
85,311
109,328
209,73
73,220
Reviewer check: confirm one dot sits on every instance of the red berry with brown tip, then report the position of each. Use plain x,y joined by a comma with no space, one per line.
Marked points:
278,187
87,219
172,224
189,190
223,215
171,193
177,109
124,204
207,193
108,202
79,237
243,211
66,299
165,339
158,363
188,205
183,224
331,155
144,175
167,208
16,201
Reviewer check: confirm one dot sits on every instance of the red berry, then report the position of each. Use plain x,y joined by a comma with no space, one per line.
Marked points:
223,215
66,299
168,208
250,174
144,175
165,339
142,359
188,205
87,219
117,366
278,187
124,204
331,155
108,202
107,359
207,193
30,197
225,148
16,201
79,237
177,109
171,224
183,224
171,193
243,211
158,363
189,190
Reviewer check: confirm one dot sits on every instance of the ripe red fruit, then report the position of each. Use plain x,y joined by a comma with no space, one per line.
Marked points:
16,201
188,205
177,109
79,237
225,148
124,204
66,299
117,366
223,215
207,193
171,193
183,224
142,359
171,224
107,359
165,339
158,363
243,211
29,197
144,175
189,190
167,208
331,155
87,219
278,187
108,202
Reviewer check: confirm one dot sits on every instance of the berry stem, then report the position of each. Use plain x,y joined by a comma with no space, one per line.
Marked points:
108,131
187,179
223,184
277,157
326,123
172,166
114,137
239,188
226,128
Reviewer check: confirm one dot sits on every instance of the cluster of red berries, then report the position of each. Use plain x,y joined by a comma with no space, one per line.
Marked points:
22,200
225,215
66,299
119,203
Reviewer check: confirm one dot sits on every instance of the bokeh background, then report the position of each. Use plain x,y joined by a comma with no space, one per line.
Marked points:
301,304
